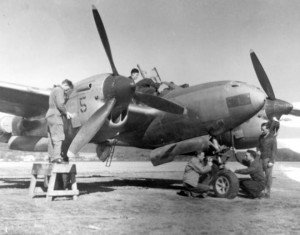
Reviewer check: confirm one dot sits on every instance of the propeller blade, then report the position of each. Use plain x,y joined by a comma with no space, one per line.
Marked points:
262,76
91,127
159,103
295,112
104,39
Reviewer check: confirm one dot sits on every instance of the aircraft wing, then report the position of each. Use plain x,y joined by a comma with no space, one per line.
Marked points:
23,101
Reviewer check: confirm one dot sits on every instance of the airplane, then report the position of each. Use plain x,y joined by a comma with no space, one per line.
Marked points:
177,123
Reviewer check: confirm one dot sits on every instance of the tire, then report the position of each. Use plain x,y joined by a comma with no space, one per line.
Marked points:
226,184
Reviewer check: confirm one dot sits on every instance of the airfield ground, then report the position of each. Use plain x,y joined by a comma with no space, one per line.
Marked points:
137,198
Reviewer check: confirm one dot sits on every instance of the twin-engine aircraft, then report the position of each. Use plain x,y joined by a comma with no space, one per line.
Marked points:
177,123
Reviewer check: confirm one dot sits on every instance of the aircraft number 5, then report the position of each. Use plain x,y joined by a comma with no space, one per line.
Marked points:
83,106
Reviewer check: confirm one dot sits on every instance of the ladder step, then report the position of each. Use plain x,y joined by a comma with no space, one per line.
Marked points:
63,193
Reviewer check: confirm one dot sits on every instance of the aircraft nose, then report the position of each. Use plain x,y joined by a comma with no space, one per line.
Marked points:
247,101
258,99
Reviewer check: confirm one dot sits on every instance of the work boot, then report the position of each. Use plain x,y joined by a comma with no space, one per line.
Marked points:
198,195
65,160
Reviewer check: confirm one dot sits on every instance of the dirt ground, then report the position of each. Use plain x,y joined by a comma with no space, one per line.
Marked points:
137,198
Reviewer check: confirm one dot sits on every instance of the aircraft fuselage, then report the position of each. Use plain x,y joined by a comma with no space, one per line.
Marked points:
213,108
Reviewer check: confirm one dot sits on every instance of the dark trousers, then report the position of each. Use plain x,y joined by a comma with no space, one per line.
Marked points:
251,187
201,188
268,174
55,136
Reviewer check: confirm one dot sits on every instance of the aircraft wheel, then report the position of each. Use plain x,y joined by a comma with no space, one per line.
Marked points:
226,184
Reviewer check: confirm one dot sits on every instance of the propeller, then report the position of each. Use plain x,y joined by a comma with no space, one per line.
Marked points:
274,107
152,101
296,109
118,91
91,127
295,112
292,120
104,38
262,76
159,103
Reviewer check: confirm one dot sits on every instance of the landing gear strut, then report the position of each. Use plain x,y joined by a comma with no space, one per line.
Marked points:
225,183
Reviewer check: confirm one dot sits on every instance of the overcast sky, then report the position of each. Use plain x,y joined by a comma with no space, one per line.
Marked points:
189,41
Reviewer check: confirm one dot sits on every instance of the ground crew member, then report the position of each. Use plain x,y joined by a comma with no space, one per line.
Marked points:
274,126
134,74
196,167
54,117
255,185
267,147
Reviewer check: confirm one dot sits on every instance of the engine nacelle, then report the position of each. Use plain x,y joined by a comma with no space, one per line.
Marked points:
6,124
19,126
119,119
28,143
245,135
168,152
5,128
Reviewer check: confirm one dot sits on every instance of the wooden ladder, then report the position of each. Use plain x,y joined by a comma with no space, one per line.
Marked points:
52,170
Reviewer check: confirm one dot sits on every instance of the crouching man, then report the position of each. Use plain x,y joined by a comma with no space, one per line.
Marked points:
254,186
197,167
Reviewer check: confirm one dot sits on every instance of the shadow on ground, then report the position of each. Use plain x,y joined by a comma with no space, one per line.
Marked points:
141,182
17,183
99,186
106,184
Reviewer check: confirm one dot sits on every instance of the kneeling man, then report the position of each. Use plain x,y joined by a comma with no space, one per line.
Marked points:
256,184
195,168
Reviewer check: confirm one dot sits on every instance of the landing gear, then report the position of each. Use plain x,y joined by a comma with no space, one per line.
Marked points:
225,184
